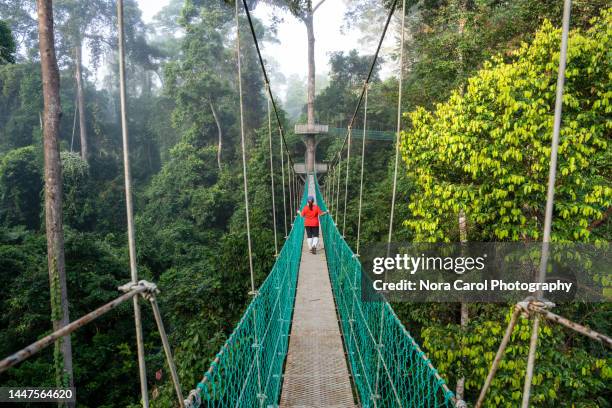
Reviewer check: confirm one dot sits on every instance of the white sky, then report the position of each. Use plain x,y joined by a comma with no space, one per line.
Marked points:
291,53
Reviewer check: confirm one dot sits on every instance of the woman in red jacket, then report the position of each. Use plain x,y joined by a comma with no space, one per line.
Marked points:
311,213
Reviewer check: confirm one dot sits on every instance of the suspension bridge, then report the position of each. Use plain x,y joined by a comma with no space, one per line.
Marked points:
307,337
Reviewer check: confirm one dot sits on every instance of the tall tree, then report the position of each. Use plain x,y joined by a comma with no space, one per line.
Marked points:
53,191
84,22
304,11
7,44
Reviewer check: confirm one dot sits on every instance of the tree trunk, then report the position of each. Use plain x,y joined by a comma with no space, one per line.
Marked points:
53,191
219,132
462,5
310,139
81,101
311,67
465,317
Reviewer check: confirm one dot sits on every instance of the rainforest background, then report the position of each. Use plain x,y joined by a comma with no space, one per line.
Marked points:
478,97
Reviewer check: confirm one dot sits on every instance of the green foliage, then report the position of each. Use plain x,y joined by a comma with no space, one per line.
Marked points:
21,184
94,267
190,213
487,151
337,101
563,373
20,85
7,44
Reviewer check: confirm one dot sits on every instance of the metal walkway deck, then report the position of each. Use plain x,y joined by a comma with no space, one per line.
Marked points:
316,373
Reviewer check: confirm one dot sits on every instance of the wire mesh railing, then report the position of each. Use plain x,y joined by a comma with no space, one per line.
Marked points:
389,368
247,372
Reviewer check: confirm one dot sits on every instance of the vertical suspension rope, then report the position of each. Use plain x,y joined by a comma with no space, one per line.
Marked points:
296,189
130,207
328,183
74,121
399,121
394,193
346,179
338,184
291,207
550,197
282,155
246,198
243,147
365,124
272,171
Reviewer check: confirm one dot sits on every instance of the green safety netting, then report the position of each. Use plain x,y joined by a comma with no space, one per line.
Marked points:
358,134
389,368
247,372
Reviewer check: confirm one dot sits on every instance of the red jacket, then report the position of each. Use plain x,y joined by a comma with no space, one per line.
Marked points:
311,217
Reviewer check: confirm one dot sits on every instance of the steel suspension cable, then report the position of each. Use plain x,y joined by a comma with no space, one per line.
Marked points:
130,207
272,175
346,179
283,144
371,70
365,125
266,78
246,191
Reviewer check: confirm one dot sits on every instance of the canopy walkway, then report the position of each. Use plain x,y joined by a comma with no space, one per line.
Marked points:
337,341
308,338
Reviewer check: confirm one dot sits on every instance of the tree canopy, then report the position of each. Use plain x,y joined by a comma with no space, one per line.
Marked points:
479,84
486,150
7,44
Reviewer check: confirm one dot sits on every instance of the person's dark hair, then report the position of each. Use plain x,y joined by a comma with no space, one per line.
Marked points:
310,204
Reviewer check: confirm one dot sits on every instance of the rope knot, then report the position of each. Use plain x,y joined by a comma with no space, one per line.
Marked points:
150,289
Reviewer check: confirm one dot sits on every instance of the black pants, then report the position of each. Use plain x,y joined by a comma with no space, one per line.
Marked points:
312,232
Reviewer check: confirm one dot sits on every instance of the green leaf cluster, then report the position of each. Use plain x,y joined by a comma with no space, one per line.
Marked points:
486,151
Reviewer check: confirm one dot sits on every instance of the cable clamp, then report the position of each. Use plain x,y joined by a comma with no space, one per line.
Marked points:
254,293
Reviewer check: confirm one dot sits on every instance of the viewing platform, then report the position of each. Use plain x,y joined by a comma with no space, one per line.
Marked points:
300,168
305,129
